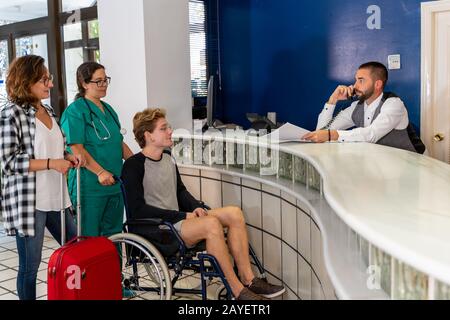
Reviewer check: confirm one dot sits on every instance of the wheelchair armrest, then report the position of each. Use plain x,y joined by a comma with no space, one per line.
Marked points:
181,245
146,221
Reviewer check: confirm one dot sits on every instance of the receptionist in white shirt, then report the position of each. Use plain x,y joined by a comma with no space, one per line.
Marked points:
378,117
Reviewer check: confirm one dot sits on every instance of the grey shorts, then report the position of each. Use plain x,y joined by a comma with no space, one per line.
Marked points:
177,226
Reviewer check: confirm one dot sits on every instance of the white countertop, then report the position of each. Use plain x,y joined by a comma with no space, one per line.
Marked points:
397,200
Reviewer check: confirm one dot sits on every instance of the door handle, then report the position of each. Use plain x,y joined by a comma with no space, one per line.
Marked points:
438,137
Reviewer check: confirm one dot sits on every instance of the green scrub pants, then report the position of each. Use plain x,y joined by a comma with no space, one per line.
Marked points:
101,215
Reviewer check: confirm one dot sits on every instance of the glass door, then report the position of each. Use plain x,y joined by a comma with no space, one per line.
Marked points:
80,44
4,63
36,44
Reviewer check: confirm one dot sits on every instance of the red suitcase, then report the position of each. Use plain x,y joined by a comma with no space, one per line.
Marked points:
86,268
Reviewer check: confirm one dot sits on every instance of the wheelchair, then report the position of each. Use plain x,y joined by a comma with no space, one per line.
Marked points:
151,269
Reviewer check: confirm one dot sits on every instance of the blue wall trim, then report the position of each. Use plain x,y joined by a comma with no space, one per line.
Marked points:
289,55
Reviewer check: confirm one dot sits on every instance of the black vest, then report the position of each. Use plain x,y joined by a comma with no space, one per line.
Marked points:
406,139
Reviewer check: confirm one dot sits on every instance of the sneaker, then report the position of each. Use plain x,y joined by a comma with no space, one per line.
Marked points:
265,289
247,294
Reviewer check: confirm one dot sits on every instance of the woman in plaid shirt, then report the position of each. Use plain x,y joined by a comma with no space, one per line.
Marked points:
32,158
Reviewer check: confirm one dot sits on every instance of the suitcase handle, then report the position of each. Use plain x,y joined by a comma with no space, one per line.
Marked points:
63,210
76,239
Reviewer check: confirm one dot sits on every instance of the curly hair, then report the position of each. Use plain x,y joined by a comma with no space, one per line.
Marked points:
22,74
146,121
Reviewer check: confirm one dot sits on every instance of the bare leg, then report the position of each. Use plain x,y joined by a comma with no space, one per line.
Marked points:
232,218
210,229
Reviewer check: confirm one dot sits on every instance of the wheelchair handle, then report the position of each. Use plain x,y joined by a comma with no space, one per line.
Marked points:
124,194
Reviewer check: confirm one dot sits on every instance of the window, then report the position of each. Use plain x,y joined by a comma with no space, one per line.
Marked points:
36,44
4,62
81,43
70,5
34,27
22,10
199,63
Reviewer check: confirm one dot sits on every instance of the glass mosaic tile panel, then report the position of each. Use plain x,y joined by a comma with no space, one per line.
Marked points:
269,161
442,291
238,157
364,250
285,166
198,151
383,262
182,150
229,153
409,284
313,177
207,152
251,158
218,153
300,170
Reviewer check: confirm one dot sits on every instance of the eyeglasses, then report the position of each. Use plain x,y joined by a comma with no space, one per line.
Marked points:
46,80
165,128
102,82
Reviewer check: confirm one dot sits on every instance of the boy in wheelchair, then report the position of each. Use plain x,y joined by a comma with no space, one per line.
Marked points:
155,190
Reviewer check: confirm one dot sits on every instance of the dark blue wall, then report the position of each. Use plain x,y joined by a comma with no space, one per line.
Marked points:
289,55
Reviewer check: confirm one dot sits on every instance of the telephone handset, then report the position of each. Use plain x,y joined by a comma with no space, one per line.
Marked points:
343,104
352,96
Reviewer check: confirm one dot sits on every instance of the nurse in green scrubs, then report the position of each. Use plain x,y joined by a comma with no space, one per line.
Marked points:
92,129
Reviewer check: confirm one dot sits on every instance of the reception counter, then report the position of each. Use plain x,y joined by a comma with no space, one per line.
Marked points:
331,221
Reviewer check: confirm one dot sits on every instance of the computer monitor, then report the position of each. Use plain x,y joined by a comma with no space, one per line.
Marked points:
211,101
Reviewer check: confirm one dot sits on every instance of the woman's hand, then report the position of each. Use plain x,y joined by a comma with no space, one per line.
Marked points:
105,178
60,165
77,160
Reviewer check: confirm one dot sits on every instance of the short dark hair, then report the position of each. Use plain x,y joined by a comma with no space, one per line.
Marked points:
378,71
84,74
22,74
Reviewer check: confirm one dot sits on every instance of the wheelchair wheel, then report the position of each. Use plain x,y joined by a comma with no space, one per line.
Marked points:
144,270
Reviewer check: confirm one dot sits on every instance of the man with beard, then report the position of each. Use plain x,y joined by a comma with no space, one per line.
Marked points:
378,117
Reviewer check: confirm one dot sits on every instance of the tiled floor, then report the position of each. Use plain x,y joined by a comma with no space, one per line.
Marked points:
9,262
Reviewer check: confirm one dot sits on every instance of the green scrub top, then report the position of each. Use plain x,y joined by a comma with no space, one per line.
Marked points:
100,135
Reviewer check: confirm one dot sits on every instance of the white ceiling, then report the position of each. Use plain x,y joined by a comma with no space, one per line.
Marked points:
21,10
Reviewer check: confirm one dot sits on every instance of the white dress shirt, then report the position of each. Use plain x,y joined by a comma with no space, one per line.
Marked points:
393,115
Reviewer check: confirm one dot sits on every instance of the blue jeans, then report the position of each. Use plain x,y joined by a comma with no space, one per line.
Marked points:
30,249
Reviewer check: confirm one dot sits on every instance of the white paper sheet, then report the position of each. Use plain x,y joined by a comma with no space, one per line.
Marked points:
288,133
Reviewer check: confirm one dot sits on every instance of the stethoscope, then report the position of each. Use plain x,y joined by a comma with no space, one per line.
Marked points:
123,131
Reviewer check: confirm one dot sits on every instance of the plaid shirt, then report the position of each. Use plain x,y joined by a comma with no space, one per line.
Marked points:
18,197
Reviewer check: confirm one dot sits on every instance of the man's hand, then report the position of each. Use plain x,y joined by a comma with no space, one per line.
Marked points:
321,136
341,93
190,215
200,212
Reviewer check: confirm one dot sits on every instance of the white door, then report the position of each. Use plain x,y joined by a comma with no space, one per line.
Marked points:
435,124
440,146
